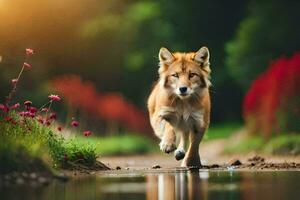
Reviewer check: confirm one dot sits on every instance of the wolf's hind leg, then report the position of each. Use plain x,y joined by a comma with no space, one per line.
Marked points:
192,159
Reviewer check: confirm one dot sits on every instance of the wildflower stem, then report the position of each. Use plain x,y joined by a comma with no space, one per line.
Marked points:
49,108
11,93
43,106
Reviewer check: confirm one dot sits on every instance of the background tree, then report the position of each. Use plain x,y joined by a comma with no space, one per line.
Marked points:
270,30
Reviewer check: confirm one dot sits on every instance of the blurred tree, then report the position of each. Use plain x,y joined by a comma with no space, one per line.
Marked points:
270,30
115,43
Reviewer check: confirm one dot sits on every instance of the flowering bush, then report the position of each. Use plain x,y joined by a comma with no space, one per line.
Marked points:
109,107
31,129
272,105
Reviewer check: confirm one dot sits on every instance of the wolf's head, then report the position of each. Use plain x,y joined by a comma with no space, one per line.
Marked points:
184,74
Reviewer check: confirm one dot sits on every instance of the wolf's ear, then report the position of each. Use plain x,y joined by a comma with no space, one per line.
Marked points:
165,56
202,56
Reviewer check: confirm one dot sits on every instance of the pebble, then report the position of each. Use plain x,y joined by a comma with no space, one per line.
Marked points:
33,176
156,166
236,163
20,181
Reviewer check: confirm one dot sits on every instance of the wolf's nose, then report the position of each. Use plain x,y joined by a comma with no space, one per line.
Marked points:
183,89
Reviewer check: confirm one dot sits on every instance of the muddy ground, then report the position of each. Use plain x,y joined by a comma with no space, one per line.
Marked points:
211,157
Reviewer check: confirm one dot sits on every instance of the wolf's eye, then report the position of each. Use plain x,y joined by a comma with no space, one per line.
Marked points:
192,75
175,75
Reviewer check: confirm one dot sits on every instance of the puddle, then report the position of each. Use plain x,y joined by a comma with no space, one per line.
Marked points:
166,186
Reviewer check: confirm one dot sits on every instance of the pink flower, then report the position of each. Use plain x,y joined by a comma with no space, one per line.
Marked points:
27,103
74,123
87,133
45,110
27,66
15,106
48,123
14,82
54,97
4,108
59,128
29,51
33,110
26,114
41,120
8,119
53,116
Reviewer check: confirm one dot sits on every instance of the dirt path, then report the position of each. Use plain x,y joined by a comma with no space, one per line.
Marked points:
211,157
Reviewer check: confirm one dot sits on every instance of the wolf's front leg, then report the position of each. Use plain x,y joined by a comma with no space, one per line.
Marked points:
180,151
168,140
192,158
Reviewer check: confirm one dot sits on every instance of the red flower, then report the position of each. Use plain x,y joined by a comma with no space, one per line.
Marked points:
74,123
8,119
33,110
27,66
17,105
14,82
53,116
87,133
45,110
41,120
29,51
27,103
59,128
54,97
4,108
26,114
48,123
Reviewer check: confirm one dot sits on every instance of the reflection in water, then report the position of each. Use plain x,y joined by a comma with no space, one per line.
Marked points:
179,185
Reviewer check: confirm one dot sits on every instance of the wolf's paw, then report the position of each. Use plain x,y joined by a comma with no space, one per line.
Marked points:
191,162
179,154
167,147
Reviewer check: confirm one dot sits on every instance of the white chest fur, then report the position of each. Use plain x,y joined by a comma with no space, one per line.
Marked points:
183,116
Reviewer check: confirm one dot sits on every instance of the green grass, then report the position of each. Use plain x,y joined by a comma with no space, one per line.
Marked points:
221,131
28,145
120,144
284,144
249,144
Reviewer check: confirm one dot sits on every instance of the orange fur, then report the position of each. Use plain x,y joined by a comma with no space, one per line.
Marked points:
179,104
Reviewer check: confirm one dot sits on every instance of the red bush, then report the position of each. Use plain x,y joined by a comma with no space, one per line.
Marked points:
109,107
273,101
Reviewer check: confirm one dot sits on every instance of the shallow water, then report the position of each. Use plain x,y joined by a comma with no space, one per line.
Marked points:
167,185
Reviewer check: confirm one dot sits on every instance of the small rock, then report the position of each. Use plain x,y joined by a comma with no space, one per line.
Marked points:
20,181
214,166
62,177
7,177
156,167
256,159
42,180
236,163
33,176
24,174
118,168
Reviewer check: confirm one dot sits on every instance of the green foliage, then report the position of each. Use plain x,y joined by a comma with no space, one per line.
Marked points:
120,144
270,30
248,144
285,144
28,145
221,131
